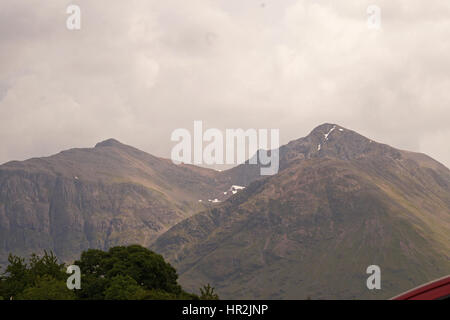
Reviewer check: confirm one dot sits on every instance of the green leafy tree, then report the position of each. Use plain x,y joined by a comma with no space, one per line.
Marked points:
20,276
105,273
47,288
124,288
121,273
15,278
93,279
207,293
47,265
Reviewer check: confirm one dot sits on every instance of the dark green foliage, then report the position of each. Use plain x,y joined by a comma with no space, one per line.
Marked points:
122,273
131,272
47,288
207,293
41,277
47,265
18,277
124,288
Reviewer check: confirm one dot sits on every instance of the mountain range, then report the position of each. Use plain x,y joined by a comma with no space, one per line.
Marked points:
339,203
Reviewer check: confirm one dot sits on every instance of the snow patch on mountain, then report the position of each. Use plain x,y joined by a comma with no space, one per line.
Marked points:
327,134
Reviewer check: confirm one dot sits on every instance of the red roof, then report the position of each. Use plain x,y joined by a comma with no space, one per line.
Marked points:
435,290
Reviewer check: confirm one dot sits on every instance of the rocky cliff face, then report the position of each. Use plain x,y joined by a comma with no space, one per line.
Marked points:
96,198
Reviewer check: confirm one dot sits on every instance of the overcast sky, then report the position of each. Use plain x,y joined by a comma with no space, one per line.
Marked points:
137,70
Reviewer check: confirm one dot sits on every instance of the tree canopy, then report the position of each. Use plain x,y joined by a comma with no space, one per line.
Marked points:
121,273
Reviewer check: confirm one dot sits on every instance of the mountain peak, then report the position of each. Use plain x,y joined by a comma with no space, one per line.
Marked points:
109,143
326,128
334,141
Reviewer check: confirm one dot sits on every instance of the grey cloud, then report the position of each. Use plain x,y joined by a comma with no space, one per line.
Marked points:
137,70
